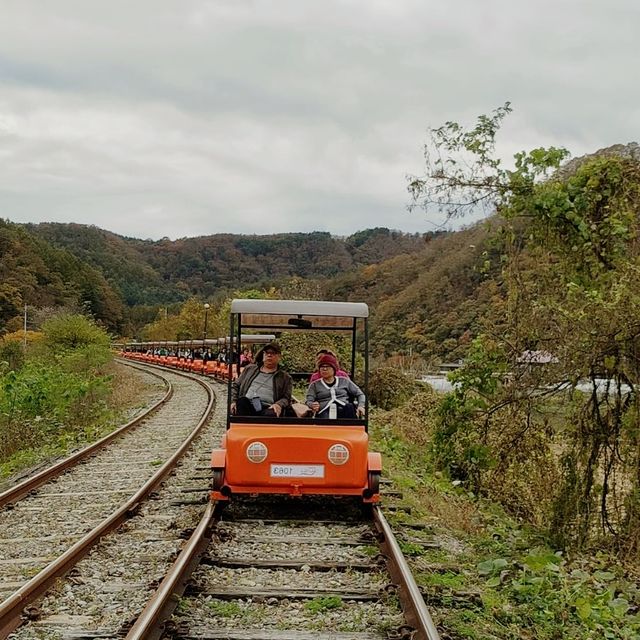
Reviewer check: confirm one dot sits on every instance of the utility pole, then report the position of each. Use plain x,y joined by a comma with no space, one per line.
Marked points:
24,343
206,315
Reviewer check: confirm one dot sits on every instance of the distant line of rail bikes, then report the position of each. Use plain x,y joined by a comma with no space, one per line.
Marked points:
286,455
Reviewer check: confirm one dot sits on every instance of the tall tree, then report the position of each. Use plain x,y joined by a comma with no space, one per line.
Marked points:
572,268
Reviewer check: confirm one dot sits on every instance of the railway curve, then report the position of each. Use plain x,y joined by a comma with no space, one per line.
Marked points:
45,533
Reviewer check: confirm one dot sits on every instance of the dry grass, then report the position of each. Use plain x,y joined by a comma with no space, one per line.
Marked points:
413,421
130,391
454,513
404,437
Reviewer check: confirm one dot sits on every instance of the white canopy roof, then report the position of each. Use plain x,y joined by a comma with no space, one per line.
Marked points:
301,308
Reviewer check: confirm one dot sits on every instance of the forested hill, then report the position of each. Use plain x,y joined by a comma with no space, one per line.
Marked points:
158,272
35,273
117,258
433,302
426,291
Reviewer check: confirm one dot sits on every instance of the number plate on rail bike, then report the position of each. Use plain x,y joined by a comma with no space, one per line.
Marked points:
297,470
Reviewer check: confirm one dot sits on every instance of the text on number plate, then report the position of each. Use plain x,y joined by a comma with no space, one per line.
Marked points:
297,471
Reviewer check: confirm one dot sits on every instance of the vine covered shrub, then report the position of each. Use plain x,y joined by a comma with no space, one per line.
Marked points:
389,387
570,259
461,442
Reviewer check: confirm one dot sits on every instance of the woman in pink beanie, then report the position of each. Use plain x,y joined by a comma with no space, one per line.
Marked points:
331,390
316,374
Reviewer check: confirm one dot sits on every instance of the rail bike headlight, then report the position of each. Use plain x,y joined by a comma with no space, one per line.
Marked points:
257,452
338,454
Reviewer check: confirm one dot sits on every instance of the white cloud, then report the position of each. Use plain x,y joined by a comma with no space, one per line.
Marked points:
173,118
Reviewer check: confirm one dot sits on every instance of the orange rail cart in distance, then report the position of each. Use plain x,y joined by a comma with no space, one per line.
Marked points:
288,454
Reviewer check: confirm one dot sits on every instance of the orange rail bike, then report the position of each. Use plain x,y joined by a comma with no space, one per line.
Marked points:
299,455
209,357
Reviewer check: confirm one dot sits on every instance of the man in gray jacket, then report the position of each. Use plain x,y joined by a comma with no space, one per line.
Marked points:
262,389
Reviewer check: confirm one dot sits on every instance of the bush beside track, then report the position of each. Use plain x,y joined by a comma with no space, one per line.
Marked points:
494,577
58,393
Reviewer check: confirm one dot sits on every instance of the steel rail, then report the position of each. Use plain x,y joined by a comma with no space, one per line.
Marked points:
23,488
11,608
149,625
413,605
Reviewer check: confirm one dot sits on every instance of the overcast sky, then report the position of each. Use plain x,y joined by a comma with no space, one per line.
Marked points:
156,118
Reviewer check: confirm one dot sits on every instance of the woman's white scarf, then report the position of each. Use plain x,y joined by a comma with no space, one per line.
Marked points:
332,390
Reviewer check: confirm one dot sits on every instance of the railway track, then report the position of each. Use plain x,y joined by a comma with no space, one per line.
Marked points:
184,568
289,569
49,523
